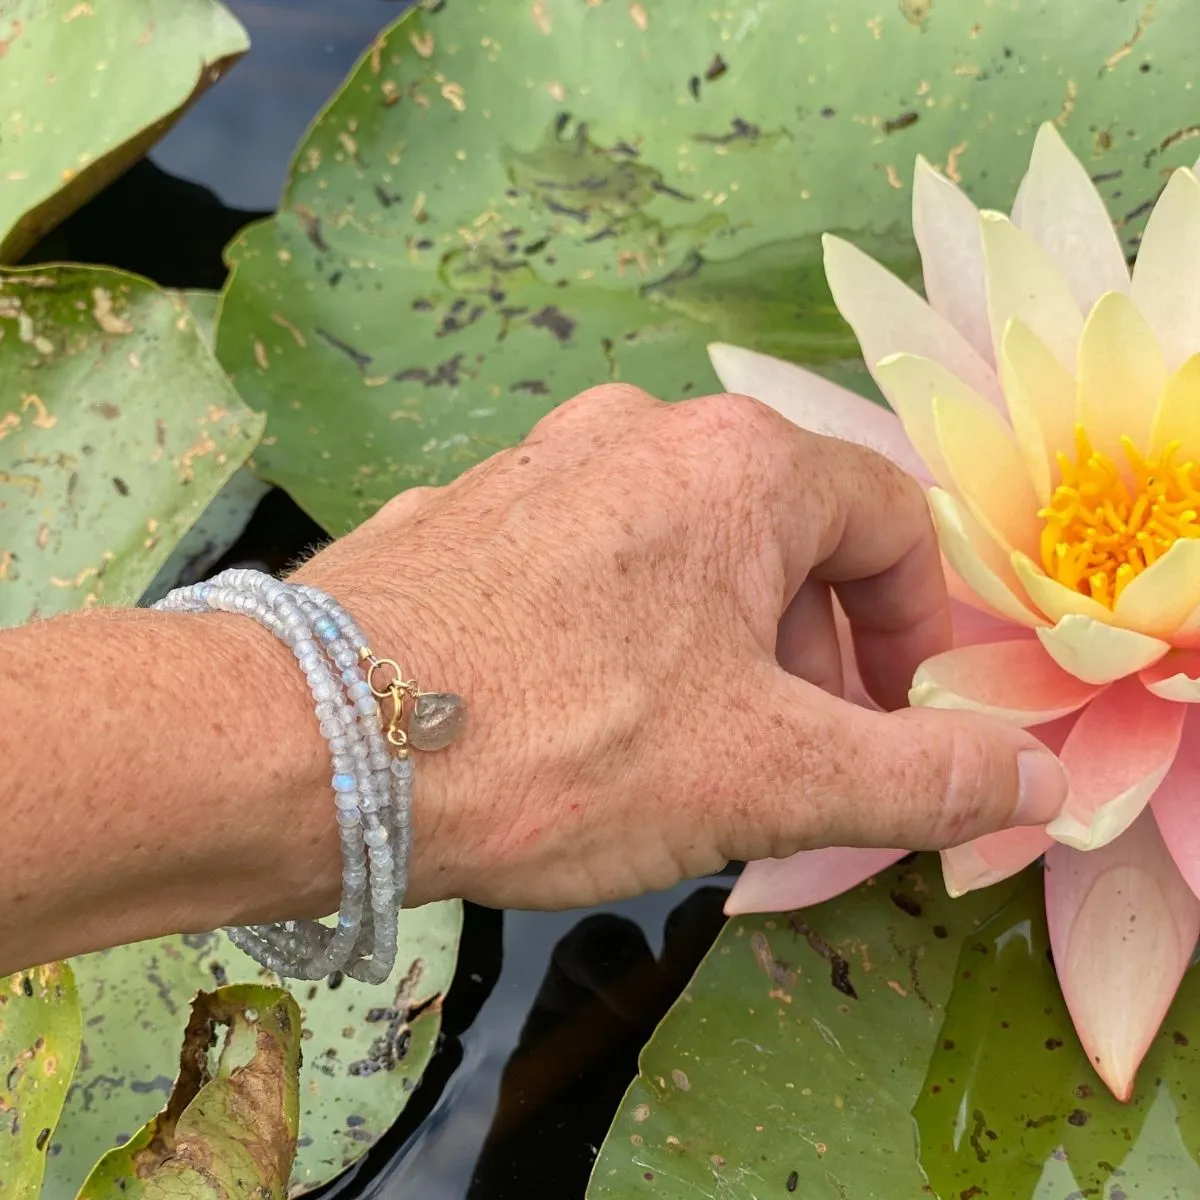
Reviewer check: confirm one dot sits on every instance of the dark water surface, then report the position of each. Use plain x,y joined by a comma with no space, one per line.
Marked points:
548,1010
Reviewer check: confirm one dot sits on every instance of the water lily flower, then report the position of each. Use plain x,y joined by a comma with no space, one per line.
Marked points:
1049,401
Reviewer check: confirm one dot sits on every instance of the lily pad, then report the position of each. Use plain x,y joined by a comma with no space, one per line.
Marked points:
117,428
40,1031
795,1057
226,1131
228,513
507,203
1011,1103
86,89
364,1046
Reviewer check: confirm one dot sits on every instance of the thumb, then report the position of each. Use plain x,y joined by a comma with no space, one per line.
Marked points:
917,779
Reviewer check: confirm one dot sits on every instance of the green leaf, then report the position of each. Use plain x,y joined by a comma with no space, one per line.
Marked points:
117,427
365,1046
507,203
40,1030
804,1043
797,1051
1010,1096
87,88
226,1131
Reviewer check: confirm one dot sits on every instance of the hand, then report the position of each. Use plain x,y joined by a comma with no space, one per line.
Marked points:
638,605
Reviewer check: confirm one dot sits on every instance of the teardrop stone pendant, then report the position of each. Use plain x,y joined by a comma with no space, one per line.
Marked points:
437,719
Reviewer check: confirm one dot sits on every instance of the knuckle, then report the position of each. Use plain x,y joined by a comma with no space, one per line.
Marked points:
733,413
595,401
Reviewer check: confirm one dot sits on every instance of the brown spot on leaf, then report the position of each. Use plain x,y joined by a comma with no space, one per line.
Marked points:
555,320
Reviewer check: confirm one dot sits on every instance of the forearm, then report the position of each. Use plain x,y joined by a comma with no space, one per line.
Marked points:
162,773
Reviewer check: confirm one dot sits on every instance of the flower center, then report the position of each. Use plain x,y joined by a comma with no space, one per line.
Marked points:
1105,525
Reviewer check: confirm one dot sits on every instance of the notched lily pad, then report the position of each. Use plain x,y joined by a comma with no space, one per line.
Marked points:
117,427
86,89
364,1046
227,1130
40,1032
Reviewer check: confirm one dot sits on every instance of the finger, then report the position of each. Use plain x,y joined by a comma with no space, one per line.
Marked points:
876,544
822,772
807,643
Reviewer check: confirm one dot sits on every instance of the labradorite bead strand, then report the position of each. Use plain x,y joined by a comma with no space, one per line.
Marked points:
372,789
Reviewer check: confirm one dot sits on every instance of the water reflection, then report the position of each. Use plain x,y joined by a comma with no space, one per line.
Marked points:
542,1068
239,136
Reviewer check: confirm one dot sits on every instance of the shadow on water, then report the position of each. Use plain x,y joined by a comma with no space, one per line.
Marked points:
548,1011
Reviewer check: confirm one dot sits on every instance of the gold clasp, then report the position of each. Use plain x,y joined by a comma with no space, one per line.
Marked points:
397,689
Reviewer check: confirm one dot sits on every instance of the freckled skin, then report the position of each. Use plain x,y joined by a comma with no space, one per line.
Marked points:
636,604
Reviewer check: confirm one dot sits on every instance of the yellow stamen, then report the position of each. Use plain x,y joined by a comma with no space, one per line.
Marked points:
1106,524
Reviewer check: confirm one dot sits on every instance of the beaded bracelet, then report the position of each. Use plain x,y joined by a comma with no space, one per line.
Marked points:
372,788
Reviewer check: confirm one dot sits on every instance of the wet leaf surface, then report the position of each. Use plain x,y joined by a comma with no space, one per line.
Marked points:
509,202
117,427
364,1047
40,1032
896,1043
797,1051
1011,1107
86,89
228,1129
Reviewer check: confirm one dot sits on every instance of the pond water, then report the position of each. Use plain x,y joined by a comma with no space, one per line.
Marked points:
548,1010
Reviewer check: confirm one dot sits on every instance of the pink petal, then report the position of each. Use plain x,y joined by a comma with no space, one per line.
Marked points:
993,857
1120,750
810,877
946,226
1016,681
1176,804
815,404
1060,206
889,318
1175,677
1123,924
1167,262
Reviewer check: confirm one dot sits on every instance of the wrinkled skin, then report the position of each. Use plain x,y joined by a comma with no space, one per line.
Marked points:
615,597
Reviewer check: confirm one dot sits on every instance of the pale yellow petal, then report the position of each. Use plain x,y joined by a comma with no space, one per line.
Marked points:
946,226
910,384
980,452
1055,599
1023,282
1178,416
1061,208
1188,633
1041,403
1161,598
889,318
1098,653
1120,376
1167,267
978,560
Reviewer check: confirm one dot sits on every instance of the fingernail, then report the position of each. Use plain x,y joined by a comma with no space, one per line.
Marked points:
1042,787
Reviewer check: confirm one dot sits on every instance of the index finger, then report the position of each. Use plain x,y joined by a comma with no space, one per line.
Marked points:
874,542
